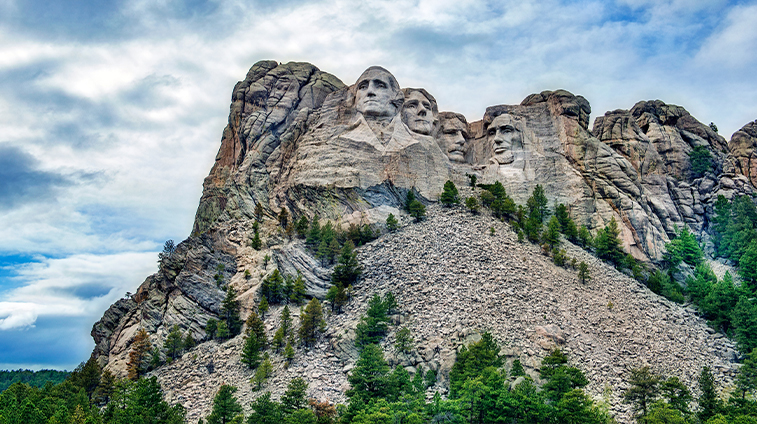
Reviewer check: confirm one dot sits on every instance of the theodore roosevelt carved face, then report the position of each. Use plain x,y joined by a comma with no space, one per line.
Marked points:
453,135
504,137
377,93
419,112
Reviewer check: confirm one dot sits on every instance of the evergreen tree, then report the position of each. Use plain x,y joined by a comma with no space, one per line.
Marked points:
189,342
561,213
744,320
409,199
677,395
222,333
265,411
701,161
346,273
403,340
256,243
323,252
298,290
583,272
262,373
226,408
472,360
283,218
139,401
263,306
746,380
709,404
211,327
289,351
87,376
608,244
369,377
472,204
258,212
643,390
273,288
311,322
585,239
155,358
537,204
373,325
140,346
683,248
168,248
719,304
314,235
517,369
294,397
301,227
552,235
417,210
449,194
391,223
174,343
105,388
255,340
230,312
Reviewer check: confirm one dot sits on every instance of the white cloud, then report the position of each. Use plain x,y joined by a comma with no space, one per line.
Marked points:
74,286
735,45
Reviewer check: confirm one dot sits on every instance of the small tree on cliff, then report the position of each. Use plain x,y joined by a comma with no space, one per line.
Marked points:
140,347
449,195
346,273
311,322
608,243
230,312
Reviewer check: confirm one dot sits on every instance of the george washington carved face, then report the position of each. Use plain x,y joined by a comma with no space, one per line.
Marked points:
504,136
376,93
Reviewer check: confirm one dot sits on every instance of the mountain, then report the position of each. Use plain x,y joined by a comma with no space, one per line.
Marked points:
299,142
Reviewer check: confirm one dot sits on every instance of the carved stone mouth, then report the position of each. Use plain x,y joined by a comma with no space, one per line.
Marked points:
500,150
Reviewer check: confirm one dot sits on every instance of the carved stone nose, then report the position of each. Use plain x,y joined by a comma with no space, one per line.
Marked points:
422,112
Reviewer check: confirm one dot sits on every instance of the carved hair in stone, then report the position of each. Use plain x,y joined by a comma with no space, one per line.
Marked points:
453,136
505,137
420,111
377,94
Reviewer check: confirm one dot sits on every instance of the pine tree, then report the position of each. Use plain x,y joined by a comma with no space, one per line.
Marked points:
286,321
223,331
517,369
323,252
251,351
561,213
391,223
211,327
283,217
256,243
189,341
709,404
608,244
265,411
302,226
333,250
583,272
289,351
311,322
263,306
746,380
346,273
409,199
369,377
294,397
314,235
417,210
174,343
262,373
552,234
272,287
403,340
225,406
230,312
585,239
643,390
258,212
449,195
472,204
298,290
537,204
140,346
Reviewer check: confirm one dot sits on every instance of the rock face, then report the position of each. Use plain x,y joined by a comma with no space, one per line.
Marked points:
300,140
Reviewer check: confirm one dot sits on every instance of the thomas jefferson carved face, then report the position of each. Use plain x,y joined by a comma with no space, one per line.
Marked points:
504,137
452,137
376,92
418,112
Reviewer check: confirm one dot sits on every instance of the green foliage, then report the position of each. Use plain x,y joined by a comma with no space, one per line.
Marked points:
684,248
294,397
263,306
417,210
301,227
403,340
552,235
449,195
283,217
258,212
168,248
222,333
314,235
211,327
517,369
256,243
273,288
472,179
255,341
708,401
225,406
701,161
346,272
140,402
746,380
560,257
744,320
174,343
265,411
537,205
311,323
472,360
369,377
373,325
585,239
391,223
583,272
289,352
32,378
262,373
230,312
140,348
189,342
409,199
472,204
86,376
677,395
608,244
643,390
559,377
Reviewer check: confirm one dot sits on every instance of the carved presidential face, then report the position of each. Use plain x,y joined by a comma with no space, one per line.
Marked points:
504,137
452,138
375,90
418,113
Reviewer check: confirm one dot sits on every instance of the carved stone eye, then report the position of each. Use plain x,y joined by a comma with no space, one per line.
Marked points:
380,84
363,85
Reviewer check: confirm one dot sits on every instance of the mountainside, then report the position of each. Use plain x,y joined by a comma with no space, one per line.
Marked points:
454,281
299,142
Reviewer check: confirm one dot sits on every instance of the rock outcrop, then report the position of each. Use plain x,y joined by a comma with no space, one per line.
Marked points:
301,141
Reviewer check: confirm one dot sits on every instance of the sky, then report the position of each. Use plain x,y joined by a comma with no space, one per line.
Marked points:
111,112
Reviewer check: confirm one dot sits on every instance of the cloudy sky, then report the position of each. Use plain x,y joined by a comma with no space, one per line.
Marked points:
111,112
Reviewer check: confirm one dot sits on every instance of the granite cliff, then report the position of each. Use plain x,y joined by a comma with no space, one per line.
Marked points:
300,140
